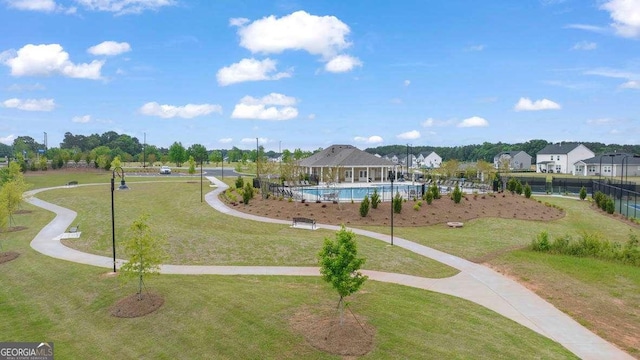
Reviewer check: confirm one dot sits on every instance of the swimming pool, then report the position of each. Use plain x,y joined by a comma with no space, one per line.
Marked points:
358,193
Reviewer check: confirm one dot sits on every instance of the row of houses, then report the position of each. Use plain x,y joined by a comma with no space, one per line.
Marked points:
346,163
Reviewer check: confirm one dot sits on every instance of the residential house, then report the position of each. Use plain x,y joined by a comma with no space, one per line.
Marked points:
614,165
561,158
430,161
346,163
391,157
517,160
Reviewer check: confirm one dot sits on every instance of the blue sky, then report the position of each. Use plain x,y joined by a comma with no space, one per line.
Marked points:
308,74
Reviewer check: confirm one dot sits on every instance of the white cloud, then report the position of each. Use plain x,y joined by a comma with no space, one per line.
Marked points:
7,140
431,122
631,84
109,48
311,116
525,104
375,139
121,7
585,27
45,60
249,70
26,87
186,112
409,135
475,48
601,121
407,82
318,35
226,140
342,63
253,108
238,21
625,15
33,5
585,45
474,121
81,119
253,140
30,104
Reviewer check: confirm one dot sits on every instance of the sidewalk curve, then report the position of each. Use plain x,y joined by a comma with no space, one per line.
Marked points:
475,282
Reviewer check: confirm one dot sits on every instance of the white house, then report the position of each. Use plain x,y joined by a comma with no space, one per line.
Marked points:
518,160
432,160
561,158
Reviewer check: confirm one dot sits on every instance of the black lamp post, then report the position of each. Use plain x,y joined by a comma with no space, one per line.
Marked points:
123,186
391,176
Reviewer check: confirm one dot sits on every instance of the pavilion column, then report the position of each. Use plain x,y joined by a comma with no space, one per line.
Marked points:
353,174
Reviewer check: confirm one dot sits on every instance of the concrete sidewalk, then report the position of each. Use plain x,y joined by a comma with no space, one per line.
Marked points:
474,282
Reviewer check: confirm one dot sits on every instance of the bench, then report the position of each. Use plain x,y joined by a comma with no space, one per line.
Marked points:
72,183
74,229
297,220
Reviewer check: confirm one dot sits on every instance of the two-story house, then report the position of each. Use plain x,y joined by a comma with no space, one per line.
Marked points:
516,160
561,158
429,161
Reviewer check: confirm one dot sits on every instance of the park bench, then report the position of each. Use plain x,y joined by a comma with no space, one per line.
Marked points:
298,220
72,183
74,229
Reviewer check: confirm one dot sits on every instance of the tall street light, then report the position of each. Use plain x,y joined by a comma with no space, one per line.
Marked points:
123,186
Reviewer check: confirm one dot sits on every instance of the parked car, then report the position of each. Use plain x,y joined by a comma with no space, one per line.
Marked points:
165,170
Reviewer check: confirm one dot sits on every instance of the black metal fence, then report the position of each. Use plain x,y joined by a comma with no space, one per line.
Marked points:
556,185
625,196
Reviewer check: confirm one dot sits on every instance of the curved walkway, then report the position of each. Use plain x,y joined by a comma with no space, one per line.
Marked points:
475,282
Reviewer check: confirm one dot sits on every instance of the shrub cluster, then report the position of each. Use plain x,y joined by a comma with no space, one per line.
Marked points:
590,245
432,192
239,182
514,186
604,202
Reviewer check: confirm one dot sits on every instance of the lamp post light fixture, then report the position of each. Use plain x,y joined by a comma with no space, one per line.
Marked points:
123,186
391,176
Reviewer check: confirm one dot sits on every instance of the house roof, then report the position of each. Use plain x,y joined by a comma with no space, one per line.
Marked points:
343,155
617,159
561,148
511,153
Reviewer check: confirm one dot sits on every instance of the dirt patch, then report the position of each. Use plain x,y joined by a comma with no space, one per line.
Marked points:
16,228
22,212
322,330
132,306
441,211
8,256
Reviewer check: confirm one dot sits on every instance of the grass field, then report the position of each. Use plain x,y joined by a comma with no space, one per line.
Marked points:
45,299
196,234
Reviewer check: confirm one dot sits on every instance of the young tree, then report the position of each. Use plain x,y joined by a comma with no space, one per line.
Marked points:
340,265
456,195
145,252
375,199
397,203
199,153
215,157
583,193
192,165
116,163
4,214
527,190
11,193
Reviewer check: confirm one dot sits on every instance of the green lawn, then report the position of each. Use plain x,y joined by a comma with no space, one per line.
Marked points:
196,234
484,238
234,317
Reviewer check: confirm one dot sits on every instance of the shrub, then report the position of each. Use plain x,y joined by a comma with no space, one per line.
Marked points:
416,207
583,193
364,206
511,185
456,195
239,182
247,193
375,199
527,190
541,242
428,197
610,205
518,187
419,203
397,203
435,190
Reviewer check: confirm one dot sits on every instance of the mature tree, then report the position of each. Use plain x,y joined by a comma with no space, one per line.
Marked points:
199,153
215,157
450,167
177,153
145,252
486,170
116,163
234,154
340,265
4,215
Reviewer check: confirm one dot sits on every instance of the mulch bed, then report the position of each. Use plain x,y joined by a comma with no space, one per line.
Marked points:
355,337
132,306
8,256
